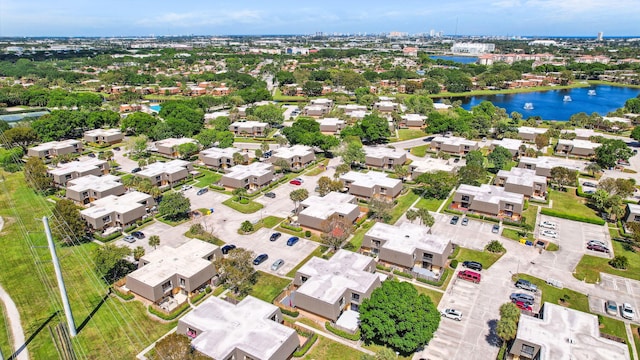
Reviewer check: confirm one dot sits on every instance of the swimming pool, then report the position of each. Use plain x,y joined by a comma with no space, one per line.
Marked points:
155,108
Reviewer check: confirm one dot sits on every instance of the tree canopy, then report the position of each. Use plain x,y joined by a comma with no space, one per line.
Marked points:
611,151
174,205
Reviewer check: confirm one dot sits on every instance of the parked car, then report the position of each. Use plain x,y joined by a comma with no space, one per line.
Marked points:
464,222
623,162
275,236
589,192
260,259
495,229
138,234
589,184
186,187
548,225
627,311
454,220
597,242
526,285
202,191
473,265
225,249
452,314
549,233
469,275
292,240
277,265
611,307
117,148
135,170
299,179
91,155
522,306
270,195
598,248
295,182
129,239
525,298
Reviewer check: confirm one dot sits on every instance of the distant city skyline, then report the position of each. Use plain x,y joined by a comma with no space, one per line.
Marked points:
461,17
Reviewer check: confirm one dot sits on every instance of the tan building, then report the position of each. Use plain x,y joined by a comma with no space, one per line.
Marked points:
529,134
315,111
325,103
349,108
329,287
429,164
169,147
413,120
316,210
166,173
488,199
251,177
252,329
632,213
582,134
357,115
408,246
297,156
331,125
522,181
62,173
90,188
118,211
513,145
55,148
371,185
543,164
385,106
220,158
453,145
103,136
579,148
383,157
249,128
167,271
561,333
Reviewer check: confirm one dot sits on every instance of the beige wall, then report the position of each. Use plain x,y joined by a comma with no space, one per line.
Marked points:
316,223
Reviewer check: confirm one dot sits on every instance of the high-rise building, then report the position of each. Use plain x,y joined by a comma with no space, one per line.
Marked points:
600,36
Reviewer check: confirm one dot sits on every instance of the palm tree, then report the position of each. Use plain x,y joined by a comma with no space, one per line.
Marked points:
401,171
238,158
593,168
411,215
240,193
138,252
425,217
154,240
298,196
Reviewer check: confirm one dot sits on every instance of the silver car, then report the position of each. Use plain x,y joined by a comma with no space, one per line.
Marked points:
277,265
452,314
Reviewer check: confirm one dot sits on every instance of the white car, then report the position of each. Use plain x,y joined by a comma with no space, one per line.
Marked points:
597,242
186,187
549,233
452,314
548,225
627,311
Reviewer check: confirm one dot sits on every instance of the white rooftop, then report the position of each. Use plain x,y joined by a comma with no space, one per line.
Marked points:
413,117
329,279
56,144
549,162
428,164
441,106
386,103
567,334
330,121
616,119
531,130
383,152
186,260
216,153
490,194
315,107
77,166
323,102
583,133
521,176
245,326
454,140
370,179
634,208
103,132
119,204
323,207
244,171
509,144
582,144
92,182
292,151
407,237
249,124
171,142
159,168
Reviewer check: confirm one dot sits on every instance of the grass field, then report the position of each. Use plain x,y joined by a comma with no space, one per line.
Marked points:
636,337
403,204
435,296
569,203
248,208
268,286
530,215
590,267
483,257
408,134
5,336
209,178
420,150
328,349
358,236
429,204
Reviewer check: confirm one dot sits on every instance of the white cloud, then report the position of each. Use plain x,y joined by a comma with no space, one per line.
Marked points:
191,19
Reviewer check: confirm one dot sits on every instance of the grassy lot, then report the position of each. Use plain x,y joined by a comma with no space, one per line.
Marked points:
268,222
375,348
116,330
635,330
358,236
285,98
613,327
429,204
6,346
268,286
248,208
403,204
530,215
574,300
568,202
319,168
172,222
317,253
328,349
590,267
408,134
435,296
483,257
209,178
420,150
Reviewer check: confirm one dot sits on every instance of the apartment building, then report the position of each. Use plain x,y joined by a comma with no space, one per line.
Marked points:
166,173
522,181
453,145
349,108
118,211
488,199
371,185
315,210
90,188
331,126
529,134
64,172
383,157
221,158
103,136
413,120
250,177
513,145
386,106
632,213
169,147
249,128
297,156
428,164
543,164
578,148
55,148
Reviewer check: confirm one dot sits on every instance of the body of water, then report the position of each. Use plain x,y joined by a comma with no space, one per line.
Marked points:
155,108
458,59
553,104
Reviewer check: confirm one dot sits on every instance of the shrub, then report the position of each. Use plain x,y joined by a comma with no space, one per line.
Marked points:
172,315
290,313
122,295
216,187
344,334
551,212
307,233
455,212
98,237
403,274
130,228
495,246
303,350
292,228
513,223
619,262
383,268
454,264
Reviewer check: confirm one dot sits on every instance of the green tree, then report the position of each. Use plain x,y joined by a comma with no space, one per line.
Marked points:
541,140
593,168
411,215
633,106
22,136
236,270
500,157
238,158
138,252
506,330
324,185
246,226
380,210
138,123
137,145
418,104
635,133
353,153
66,223
298,196
176,347
342,169
475,158
396,315
174,206
264,147
335,230
283,165
312,88
495,246
472,174
435,185
425,217
562,176
187,149
375,128
272,114
401,171
154,240
35,173
110,263
611,151
240,193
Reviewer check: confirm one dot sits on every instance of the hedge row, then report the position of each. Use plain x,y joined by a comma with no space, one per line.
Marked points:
456,212
172,315
123,296
130,228
344,334
383,268
403,274
290,313
551,212
303,350
292,228
202,294
513,223
483,217
106,239
438,283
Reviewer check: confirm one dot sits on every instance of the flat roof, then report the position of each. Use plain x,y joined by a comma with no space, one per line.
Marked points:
171,142
549,162
159,168
370,179
321,101
634,208
245,326
382,152
240,172
428,164
330,121
77,166
323,207
217,153
92,182
616,119
56,144
582,132
329,279
103,132
454,140
577,143
249,124
292,151
119,204
411,117
386,103
185,260
521,176
531,130
407,237
490,193
566,334
510,144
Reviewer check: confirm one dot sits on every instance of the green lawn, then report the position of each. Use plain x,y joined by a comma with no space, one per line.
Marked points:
358,236
268,286
209,178
328,349
636,337
404,202
408,134
574,300
116,330
268,222
435,296
590,267
375,348
483,257
5,346
420,150
248,208
317,253
569,203
530,215
429,204
613,327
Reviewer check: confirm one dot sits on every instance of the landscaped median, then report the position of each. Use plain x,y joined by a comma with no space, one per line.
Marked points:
590,267
244,206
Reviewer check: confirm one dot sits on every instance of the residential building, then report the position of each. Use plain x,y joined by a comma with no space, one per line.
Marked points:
329,287
167,271
383,157
169,147
220,158
315,210
90,188
358,114
529,134
473,48
562,333
251,329
249,128
441,107
251,177
408,246
633,213
453,145
582,134
413,120
488,199
371,185
349,108
315,111
103,136
522,181
331,125
513,145
543,164
385,106
166,173
118,211
580,148
64,172
326,103
429,164
55,148
297,156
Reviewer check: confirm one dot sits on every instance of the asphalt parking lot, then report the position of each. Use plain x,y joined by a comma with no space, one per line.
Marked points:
573,237
475,235
624,291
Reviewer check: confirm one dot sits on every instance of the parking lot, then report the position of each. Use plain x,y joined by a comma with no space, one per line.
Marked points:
475,235
573,237
622,290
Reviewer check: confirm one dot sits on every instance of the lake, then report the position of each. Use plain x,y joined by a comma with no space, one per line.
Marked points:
549,105
458,59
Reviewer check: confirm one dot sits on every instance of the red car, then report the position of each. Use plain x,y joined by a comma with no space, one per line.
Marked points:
295,182
523,306
596,247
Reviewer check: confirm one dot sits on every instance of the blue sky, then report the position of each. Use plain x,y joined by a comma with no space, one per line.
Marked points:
215,17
